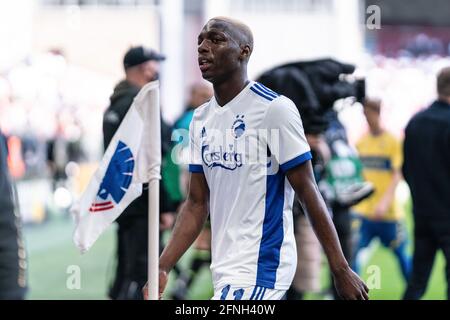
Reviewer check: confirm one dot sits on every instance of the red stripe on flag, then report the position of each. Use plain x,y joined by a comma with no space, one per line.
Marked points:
100,209
102,204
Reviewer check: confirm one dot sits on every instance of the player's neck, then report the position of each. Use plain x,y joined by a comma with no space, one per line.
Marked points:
136,80
225,91
376,131
444,99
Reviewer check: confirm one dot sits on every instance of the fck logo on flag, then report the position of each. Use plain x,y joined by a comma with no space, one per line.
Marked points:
116,181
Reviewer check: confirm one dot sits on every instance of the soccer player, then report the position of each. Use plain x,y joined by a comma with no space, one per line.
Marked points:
381,216
249,202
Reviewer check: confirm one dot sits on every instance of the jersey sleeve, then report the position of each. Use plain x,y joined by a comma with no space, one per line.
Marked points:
287,140
195,156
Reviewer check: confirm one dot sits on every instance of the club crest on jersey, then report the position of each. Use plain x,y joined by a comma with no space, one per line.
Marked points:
116,181
238,127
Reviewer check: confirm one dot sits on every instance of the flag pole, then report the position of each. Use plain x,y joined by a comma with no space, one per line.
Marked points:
153,199
153,239
154,122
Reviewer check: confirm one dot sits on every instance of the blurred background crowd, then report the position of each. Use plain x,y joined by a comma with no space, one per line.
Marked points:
352,71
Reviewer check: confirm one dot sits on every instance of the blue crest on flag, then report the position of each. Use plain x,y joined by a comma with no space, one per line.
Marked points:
119,174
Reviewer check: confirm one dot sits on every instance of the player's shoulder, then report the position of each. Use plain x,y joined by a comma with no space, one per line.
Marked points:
363,140
201,111
263,94
273,101
391,138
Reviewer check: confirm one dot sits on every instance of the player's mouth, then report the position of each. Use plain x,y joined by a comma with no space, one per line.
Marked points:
204,64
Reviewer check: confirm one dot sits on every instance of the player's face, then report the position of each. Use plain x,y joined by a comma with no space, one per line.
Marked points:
150,70
218,52
372,117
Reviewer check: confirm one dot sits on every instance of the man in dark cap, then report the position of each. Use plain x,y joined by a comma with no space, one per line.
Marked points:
141,67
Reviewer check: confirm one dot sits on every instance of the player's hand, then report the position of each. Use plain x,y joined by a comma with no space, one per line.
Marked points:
350,286
163,277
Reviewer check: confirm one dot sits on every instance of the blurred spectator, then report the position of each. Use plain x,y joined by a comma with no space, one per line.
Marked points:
16,163
12,253
426,169
174,177
57,159
381,216
423,45
141,67
199,94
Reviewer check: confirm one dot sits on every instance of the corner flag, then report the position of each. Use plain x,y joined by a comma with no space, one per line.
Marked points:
132,158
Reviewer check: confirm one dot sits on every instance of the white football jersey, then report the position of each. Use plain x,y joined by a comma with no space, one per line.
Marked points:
244,149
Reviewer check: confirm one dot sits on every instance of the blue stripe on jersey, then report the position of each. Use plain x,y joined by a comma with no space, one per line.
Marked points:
260,290
225,292
296,161
260,93
270,90
272,233
254,292
238,294
263,293
266,90
196,168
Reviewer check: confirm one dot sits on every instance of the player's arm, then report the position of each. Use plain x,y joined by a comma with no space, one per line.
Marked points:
348,283
389,195
189,223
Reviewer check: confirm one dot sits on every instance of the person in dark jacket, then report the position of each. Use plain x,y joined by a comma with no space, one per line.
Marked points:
426,169
13,284
141,67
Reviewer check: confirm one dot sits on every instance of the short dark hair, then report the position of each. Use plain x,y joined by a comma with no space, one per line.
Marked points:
443,82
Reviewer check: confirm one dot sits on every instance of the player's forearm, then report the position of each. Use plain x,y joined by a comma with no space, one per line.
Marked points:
188,225
323,227
302,180
389,195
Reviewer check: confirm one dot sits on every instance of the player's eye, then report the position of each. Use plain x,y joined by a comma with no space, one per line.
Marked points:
217,40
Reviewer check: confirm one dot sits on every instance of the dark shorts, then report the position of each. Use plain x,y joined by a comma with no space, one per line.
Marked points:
391,234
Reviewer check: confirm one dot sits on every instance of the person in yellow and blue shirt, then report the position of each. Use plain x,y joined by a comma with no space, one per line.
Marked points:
381,216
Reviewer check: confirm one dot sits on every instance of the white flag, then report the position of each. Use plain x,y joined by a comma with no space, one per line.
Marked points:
132,158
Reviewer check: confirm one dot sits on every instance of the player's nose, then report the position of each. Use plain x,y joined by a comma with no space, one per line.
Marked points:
203,47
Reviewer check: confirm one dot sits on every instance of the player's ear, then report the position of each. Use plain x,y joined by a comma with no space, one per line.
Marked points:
245,52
